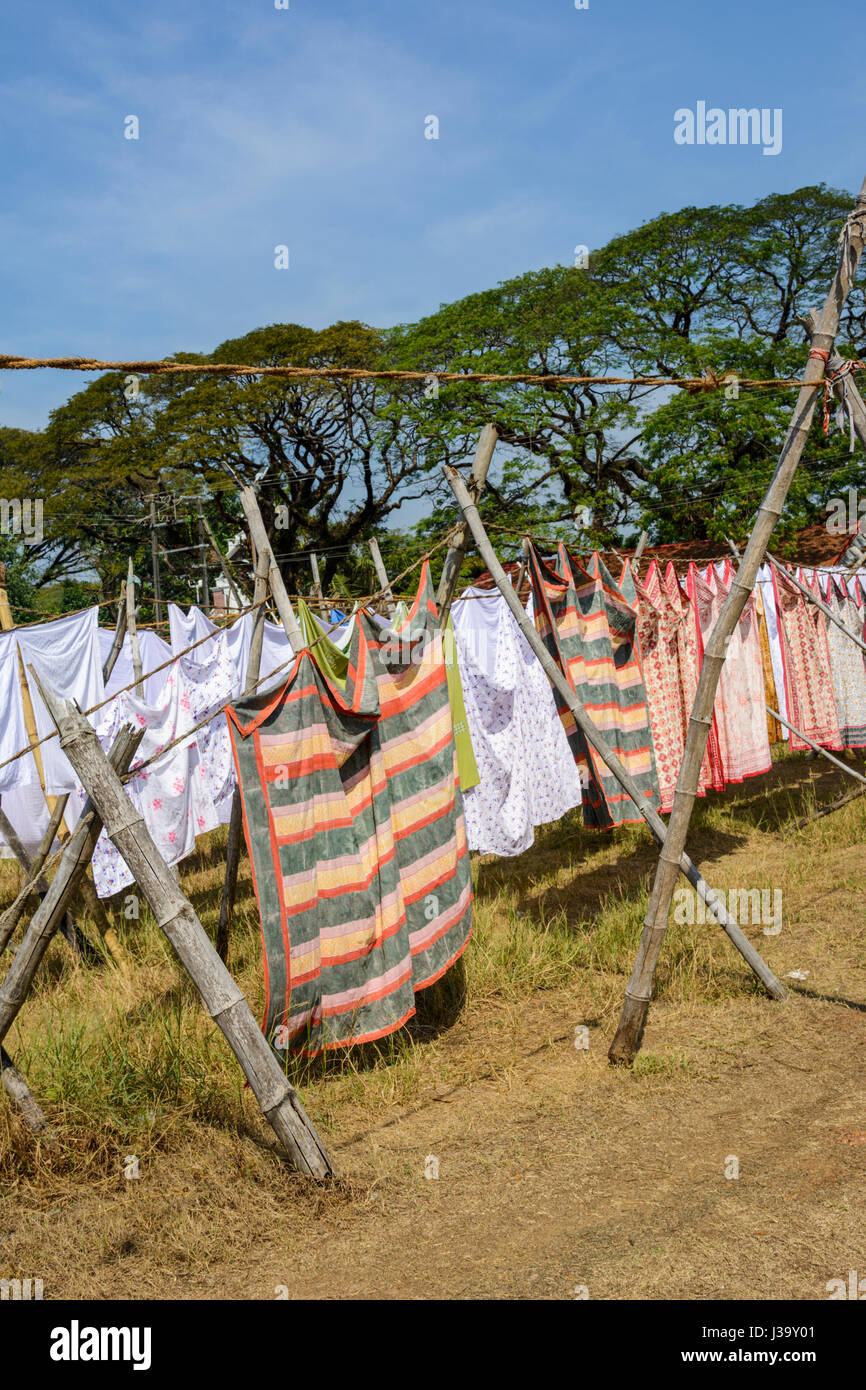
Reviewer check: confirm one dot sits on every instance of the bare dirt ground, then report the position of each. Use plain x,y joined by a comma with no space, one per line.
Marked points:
557,1174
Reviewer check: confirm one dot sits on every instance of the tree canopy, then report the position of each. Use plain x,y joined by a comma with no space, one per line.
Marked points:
719,289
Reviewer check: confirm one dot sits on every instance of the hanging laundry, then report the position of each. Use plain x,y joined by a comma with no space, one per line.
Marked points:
354,821
528,776
154,654
663,646
172,794
705,608
589,629
847,664
333,660
808,676
766,589
689,653
771,695
740,705
66,655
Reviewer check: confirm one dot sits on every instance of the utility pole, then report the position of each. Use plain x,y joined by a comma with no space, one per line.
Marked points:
203,538
154,559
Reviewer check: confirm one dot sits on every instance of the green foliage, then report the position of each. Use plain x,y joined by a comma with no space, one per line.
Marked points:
718,289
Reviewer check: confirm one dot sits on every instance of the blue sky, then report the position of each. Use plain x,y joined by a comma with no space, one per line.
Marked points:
305,127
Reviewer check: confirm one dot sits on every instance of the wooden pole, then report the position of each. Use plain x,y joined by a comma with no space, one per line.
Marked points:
605,752
119,630
381,574
226,568
203,552
154,563
813,598
49,915
457,550
45,922
816,747
19,1093
233,846
640,548
830,806
178,920
259,536
6,622
317,582
76,938
638,993
131,629
10,918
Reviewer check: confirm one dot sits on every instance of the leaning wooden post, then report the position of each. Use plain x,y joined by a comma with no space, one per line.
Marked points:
49,915
224,564
45,922
317,580
233,846
818,603
76,938
177,918
119,630
605,752
259,536
19,1093
633,1018
131,629
382,575
457,550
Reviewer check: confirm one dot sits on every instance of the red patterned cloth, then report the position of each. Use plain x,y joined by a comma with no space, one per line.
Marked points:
740,702
806,659
704,602
669,659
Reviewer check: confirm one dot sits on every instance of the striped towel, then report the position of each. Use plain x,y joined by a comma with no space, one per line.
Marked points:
354,822
588,626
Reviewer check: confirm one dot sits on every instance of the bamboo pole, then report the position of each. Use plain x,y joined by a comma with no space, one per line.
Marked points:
565,692
638,993
259,536
457,550
177,918
6,622
816,747
819,604
830,806
640,548
19,1093
227,570
381,574
317,582
74,936
119,630
131,629
49,915
233,846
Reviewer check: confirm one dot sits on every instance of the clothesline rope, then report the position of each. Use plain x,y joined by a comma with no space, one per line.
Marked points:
710,381
363,603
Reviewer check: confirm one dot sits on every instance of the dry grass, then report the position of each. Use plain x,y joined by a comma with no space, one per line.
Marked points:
127,1065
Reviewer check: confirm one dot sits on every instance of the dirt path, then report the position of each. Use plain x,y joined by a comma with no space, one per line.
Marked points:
555,1170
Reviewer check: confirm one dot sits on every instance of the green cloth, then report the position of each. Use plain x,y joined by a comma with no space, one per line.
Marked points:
329,657
467,767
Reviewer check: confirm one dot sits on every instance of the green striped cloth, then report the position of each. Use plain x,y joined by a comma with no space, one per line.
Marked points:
353,817
588,627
